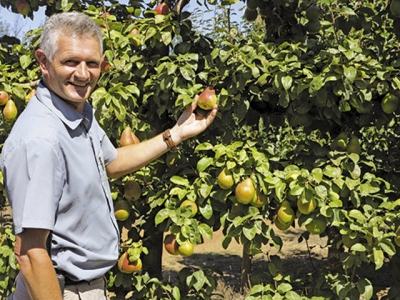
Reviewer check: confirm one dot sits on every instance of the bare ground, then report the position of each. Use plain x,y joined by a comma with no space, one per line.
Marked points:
303,256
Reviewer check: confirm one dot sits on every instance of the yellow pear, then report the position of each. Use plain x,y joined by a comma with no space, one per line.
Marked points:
285,213
225,179
10,110
245,191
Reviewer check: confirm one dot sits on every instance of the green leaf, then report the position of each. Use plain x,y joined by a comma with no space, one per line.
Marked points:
166,37
378,258
226,241
317,174
176,191
356,214
358,247
316,84
365,288
280,187
291,295
256,289
347,11
161,216
204,163
284,288
321,191
205,231
388,247
133,89
200,280
368,188
297,190
18,91
180,180
118,109
98,95
332,172
390,205
176,293
350,73
25,61
287,82
151,31
187,72
204,147
249,233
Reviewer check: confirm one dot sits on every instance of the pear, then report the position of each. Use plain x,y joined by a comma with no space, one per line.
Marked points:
285,213
354,145
132,190
245,191
23,7
389,103
171,244
306,204
3,97
10,110
128,265
395,8
207,99
121,210
128,137
162,9
340,142
225,179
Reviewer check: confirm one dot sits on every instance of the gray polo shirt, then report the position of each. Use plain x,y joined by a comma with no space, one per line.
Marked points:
53,164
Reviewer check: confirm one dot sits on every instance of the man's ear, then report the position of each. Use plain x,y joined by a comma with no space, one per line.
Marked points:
103,63
42,59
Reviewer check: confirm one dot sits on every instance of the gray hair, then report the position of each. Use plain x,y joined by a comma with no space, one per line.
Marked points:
73,24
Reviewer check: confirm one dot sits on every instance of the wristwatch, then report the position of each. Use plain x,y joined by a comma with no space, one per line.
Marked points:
168,140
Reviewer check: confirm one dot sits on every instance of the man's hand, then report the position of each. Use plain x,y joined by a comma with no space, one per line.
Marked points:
190,124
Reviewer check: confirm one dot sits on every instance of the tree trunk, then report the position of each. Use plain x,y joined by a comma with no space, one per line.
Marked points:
152,262
334,253
246,269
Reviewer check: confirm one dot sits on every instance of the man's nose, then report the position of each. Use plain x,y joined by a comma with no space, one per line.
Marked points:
82,71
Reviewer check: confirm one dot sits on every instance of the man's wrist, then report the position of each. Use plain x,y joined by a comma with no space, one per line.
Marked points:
167,137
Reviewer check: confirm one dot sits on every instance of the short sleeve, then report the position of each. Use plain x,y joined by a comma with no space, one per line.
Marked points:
108,149
34,176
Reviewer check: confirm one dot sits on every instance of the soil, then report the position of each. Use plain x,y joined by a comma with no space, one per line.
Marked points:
304,255
299,256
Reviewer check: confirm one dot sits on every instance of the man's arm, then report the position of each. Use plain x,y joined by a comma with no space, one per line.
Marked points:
131,158
36,267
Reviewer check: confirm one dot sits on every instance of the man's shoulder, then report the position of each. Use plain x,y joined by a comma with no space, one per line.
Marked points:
34,125
35,116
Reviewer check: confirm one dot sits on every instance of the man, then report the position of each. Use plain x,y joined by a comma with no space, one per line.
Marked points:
56,162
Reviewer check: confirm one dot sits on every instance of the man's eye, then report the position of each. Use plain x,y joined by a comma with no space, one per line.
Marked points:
93,64
70,63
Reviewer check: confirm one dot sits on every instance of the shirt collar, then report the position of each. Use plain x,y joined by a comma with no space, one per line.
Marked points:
63,110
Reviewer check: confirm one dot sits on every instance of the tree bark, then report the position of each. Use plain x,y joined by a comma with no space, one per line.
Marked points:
152,262
246,269
334,253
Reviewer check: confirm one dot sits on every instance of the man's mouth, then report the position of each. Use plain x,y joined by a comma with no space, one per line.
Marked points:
79,84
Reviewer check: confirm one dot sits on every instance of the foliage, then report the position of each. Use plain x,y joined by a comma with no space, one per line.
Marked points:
295,91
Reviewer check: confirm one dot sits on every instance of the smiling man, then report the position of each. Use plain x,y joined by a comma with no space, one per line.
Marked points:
56,163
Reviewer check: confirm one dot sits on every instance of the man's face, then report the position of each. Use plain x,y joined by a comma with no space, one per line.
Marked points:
74,71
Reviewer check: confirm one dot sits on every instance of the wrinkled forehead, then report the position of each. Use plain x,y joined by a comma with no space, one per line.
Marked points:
74,46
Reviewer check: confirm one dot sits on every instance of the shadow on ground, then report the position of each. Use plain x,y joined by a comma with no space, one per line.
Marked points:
226,269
